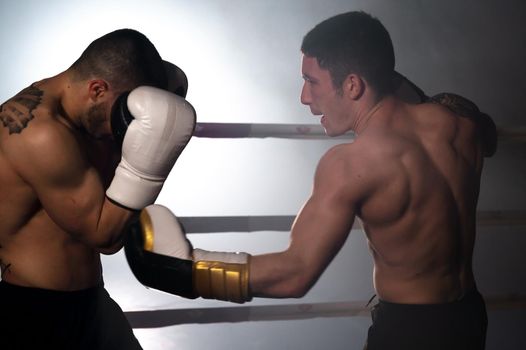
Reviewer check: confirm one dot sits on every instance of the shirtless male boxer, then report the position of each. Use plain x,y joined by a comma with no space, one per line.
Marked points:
411,176
68,191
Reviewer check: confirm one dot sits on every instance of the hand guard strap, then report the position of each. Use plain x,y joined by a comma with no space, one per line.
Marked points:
222,280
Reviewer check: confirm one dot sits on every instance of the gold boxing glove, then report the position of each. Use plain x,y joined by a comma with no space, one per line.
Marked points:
161,257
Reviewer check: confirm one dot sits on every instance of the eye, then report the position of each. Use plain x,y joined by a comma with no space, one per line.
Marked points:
308,79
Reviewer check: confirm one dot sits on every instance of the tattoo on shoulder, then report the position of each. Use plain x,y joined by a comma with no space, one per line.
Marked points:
17,112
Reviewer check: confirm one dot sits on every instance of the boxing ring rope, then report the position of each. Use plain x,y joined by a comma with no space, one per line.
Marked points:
305,131
221,224
284,312
237,130
514,136
165,318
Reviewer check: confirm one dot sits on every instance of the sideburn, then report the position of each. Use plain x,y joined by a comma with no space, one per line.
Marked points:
95,119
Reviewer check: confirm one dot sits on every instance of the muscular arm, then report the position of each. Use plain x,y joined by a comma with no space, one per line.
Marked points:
48,157
161,257
318,233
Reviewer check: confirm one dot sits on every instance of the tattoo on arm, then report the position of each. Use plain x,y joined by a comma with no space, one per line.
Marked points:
17,112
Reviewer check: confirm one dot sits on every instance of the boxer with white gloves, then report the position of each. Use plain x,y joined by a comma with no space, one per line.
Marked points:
161,257
162,125
58,158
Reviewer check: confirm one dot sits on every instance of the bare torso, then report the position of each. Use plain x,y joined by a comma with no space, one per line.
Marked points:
34,250
424,165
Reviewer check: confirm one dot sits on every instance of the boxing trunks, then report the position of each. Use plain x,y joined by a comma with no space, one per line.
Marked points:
32,318
459,325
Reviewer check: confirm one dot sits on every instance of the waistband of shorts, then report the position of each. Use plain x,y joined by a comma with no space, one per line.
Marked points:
8,289
472,295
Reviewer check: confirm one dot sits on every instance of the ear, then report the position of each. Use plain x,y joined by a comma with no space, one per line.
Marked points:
354,86
97,89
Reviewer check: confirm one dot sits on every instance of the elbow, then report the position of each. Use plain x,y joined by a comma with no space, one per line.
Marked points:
281,275
286,286
301,279
109,250
301,290
107,246
298,287
108,242
297,293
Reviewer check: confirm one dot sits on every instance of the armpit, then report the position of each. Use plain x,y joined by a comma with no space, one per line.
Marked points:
17,112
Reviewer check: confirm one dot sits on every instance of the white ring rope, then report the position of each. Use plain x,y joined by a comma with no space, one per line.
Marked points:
304,131
237,130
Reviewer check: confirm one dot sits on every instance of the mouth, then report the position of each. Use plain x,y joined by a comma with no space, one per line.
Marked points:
314,111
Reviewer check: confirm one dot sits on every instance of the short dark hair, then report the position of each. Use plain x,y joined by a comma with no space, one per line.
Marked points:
125,58
353,42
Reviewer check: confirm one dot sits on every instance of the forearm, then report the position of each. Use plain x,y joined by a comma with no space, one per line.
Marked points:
161,257
109,234
279,275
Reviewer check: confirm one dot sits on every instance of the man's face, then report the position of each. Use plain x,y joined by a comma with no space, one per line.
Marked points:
323,98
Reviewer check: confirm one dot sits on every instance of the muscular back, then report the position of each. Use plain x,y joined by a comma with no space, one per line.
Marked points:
36,248
424,164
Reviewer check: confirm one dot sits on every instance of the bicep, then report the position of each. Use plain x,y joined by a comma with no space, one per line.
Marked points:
318,233
68,187
71,194
324,222
320,230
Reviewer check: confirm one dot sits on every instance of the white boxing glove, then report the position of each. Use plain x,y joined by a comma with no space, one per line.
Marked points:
163,234
162,126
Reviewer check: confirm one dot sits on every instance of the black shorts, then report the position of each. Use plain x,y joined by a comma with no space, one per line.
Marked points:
459,325
32,318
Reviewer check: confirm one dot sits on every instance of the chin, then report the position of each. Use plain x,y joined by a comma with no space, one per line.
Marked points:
330,132
333,133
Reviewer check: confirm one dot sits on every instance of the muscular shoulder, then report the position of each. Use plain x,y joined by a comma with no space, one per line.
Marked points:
441,121
43,147
340,158
443,129
344,170
18,111
431,117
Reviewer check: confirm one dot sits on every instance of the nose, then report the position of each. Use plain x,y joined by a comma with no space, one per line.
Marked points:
305,97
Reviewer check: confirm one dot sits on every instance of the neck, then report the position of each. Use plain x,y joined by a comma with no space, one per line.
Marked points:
68,96
363,119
